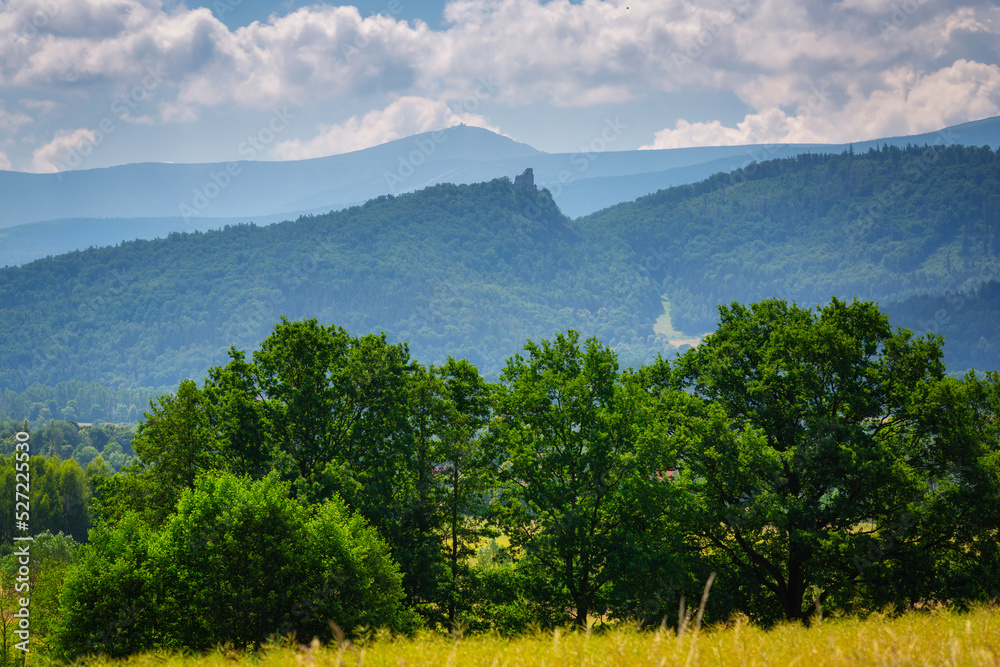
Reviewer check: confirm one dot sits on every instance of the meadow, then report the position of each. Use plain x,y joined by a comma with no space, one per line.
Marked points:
940,637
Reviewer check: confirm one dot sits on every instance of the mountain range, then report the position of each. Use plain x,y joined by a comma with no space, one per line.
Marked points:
48,214
474,270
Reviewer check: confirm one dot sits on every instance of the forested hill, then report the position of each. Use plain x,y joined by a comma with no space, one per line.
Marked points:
882,225
475,270
969,322
470,271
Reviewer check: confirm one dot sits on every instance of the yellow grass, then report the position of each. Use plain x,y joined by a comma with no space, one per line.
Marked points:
929,638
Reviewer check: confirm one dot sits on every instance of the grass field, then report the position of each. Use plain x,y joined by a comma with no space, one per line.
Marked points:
926,638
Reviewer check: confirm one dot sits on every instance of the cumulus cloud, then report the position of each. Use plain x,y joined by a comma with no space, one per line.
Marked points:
404,117
882,66
553,52
907,102
53,156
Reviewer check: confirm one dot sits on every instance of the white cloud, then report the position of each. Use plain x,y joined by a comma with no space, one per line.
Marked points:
403,117
907,102
46,107
5,162
554,52
10,122
936,65
55,155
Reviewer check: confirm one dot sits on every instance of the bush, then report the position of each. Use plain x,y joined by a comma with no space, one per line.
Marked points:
238,562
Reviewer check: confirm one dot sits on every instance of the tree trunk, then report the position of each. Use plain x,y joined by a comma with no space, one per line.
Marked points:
453,594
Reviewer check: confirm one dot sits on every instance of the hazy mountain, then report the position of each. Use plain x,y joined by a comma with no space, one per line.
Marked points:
149,200
475,270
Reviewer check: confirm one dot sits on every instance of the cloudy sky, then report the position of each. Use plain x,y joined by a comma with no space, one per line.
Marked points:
93,83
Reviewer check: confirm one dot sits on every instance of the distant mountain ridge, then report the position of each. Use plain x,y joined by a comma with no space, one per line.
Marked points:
474,270
144,200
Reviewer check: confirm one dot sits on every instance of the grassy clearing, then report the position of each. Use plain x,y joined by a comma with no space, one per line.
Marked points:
665,327
929,638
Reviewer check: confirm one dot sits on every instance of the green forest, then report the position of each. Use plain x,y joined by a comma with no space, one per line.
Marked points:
883,225
471,271
803,461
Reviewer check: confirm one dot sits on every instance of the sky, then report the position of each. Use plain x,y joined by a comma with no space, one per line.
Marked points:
95,83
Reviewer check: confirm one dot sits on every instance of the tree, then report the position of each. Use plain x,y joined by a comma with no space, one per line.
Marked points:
328,397
579,462
238,561
176,442
454,469
954,549
106,603
59,497
466,473
805,443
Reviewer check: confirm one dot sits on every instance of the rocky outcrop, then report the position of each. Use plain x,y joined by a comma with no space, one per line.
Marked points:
525,180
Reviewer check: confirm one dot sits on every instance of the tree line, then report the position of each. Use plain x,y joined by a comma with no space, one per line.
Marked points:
76,401
806,461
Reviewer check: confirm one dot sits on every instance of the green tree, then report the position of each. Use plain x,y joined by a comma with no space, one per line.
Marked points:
811,444
176,443
238,561
453,471
952,548
579,465
106,603
466,473
242,560
59,497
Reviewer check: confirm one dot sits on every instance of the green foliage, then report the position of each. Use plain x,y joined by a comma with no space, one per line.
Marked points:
806,446
239,561
810,458
59,498
502,597
106,604
578,476
69,440
48,559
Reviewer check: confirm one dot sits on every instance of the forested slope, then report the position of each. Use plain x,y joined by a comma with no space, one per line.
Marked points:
465,270
883,225
475,270
969,322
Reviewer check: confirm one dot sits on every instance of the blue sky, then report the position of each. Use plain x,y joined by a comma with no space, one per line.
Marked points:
93,83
